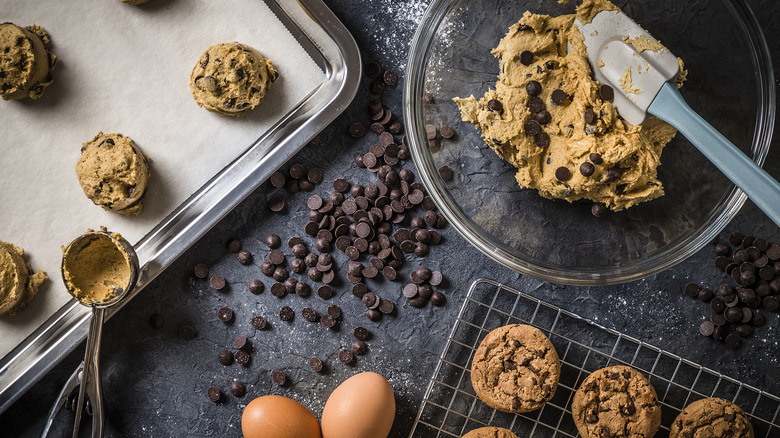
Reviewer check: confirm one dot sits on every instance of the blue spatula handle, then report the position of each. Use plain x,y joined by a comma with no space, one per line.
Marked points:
761,188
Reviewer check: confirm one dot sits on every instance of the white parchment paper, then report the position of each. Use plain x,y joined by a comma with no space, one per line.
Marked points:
126,69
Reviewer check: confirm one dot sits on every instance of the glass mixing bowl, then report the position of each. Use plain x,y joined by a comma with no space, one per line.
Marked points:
729,83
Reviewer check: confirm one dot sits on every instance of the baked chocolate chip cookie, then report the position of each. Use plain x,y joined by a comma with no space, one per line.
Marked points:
25,61
114,173
515,369
616,402
490,432
711,417
231,78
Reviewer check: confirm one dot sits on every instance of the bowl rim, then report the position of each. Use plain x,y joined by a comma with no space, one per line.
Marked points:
414,86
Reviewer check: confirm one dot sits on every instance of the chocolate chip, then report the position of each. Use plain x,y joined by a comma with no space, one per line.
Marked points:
325,292
744,330
242,357
437,298
606,92
278,180
374,315
217,282
691,290
286,313
535,104
733,341
376,87
562,173
346,356
309,314
258,322
273,241
706,295
358,347
531,127
542,139
390,78
533,88
446,173
771,303
373,69
225,314
187,332
589,116
201,270
357,130
280,274
447,131
495,105
225,357
587,169
213,394
526,57
244,257
386,306
278,378
559,97
238,389
598,209
543,117
316,364
276,204
706,328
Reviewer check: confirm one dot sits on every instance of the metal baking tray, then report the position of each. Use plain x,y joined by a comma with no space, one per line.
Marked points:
334,50
450,407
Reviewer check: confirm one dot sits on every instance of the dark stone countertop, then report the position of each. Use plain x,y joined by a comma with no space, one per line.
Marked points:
155,382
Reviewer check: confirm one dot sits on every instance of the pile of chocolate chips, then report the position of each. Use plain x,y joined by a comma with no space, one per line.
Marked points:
754,266
301,180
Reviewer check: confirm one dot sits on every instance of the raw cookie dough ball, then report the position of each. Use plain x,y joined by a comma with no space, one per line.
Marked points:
231,78
113,172
18,283
711,417
515,369
616,401
25,61
134,2
490,432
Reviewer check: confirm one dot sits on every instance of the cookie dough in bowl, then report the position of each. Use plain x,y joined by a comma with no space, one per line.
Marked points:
550,119
25,61
114,173
18,283
231,78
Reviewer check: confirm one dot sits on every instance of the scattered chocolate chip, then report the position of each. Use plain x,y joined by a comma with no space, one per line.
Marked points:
244,257
286,313
278,378
237,388
213,394
706,328
390,78
606,92
225,314
225,357
217,282
242,357
187,332
276,204
733,341
598,209
346,356
361,333
258,322
316,364
201,270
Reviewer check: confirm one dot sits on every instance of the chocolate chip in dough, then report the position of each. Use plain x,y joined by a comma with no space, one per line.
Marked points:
562,174
587,169
533,88
526,57
606,92
559,97
495,105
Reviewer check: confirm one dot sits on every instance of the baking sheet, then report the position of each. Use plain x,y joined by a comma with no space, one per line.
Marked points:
126,69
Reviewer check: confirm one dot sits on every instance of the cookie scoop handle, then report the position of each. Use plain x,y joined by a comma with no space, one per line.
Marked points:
754,181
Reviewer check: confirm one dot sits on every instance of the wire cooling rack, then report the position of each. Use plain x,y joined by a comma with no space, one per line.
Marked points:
450,407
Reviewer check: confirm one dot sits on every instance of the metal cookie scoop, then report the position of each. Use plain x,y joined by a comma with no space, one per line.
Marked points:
641,80
99,268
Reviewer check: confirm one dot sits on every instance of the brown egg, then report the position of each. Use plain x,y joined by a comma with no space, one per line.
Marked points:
274,416
361,407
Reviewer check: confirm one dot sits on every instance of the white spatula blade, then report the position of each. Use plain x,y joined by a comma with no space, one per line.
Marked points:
636,76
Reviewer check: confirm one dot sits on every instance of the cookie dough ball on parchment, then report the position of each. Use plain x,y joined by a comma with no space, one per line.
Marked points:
113,172
231,78
25,61
18,283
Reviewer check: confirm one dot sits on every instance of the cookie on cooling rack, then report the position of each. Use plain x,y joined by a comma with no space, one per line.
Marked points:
616,402
490,432
515,369
713,417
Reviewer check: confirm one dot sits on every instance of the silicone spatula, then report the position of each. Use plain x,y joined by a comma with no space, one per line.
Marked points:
643,82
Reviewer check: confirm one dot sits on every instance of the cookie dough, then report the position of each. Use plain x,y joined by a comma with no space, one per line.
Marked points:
515,369
18,283
711,417
231,78
617,402
548,117
94,268
114,172
490,432
25,61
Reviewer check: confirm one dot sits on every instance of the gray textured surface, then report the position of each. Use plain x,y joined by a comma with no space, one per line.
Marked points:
155,382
